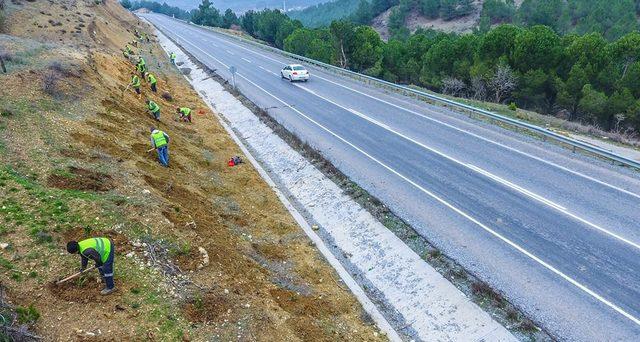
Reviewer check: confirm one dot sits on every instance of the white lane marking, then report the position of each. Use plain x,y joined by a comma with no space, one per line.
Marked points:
550,163
246,60
230,52
372,120
486,139
485,173
518,188
460,212
450,206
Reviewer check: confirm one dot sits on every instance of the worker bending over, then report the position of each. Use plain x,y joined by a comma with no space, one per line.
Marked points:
153,82
154,108
185,113
141,66
160,142
102,251
135,83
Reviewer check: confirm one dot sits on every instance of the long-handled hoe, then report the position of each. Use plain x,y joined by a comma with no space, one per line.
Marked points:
75,275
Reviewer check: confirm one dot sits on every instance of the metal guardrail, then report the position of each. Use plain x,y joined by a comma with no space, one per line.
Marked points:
575,144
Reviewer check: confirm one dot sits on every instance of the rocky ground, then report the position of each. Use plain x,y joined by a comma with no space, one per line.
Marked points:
204,251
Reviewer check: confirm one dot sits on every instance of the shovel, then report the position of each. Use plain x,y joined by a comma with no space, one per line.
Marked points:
75,275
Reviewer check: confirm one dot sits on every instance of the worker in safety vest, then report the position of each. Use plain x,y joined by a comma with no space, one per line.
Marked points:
154,108
185,113
141,66
102,251
160,141
135,83
172,57
153,81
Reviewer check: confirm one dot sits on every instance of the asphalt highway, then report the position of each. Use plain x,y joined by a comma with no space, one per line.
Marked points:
556,232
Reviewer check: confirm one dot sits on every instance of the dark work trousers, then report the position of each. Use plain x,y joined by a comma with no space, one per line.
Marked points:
106,271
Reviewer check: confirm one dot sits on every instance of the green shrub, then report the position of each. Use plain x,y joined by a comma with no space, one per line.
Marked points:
512,106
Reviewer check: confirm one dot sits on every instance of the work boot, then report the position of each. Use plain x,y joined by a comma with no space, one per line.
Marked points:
107,291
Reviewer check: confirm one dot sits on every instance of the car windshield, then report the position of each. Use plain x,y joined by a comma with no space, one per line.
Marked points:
298,68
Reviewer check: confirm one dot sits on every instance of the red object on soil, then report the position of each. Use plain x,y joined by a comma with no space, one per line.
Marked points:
231,163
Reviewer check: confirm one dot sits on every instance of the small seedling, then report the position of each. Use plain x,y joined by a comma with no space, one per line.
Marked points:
27,315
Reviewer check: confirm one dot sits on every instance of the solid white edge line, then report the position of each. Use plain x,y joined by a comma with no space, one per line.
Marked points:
357,291
463,214
459,211
486,173
483,172
449,125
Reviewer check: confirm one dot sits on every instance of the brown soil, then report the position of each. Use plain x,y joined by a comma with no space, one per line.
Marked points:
82,179
99,135
209,308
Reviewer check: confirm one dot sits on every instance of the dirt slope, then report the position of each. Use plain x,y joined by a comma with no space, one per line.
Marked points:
204,251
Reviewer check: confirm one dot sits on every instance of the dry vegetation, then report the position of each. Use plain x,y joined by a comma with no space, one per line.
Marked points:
204,251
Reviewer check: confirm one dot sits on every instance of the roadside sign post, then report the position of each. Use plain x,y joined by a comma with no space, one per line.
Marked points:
233,71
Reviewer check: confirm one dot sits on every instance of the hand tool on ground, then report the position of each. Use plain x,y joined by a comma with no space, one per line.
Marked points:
75,275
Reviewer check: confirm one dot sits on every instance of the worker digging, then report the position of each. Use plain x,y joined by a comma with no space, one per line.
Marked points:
154,108
102,251
160,142
135,84
141,66
153,81
185,113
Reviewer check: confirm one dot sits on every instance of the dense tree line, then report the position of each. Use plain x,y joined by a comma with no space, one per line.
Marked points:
208,15
583,77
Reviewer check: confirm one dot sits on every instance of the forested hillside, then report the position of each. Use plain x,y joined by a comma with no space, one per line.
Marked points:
612,19
323,14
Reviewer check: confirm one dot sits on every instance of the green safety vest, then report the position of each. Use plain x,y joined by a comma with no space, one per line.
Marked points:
141,67
153,107
185,111
141,61
135,81
158,138
101,245
152,79
173,56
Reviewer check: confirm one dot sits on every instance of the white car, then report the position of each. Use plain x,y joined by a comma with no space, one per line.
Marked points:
295,72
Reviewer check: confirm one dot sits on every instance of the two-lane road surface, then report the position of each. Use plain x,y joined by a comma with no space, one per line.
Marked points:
557,233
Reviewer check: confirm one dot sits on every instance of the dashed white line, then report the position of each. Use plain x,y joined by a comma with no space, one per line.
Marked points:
478,170
563,168
460,212
246,60
447,204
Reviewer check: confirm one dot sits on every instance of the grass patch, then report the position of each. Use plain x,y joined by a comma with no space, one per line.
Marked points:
27,315
49,210
6,264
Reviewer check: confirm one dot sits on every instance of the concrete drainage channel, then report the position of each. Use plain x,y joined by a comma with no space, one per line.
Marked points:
412,300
